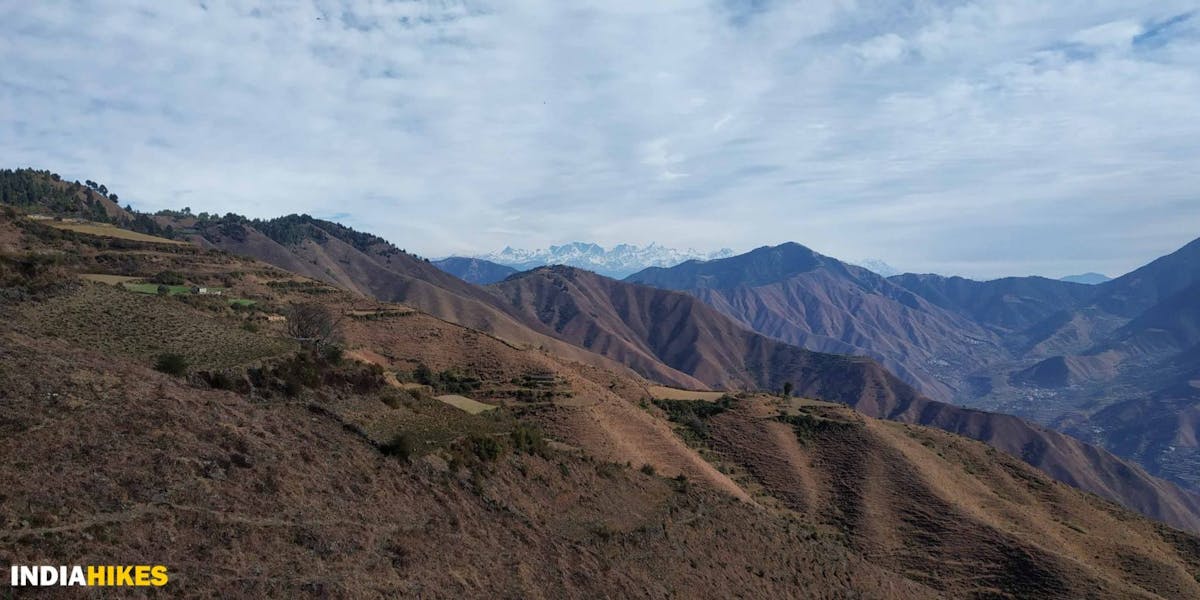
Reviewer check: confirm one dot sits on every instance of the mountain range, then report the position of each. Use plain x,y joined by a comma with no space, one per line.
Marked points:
675,339
829,451
619,261
1057,352
796,295
474,270
878,266
1090,278
991,345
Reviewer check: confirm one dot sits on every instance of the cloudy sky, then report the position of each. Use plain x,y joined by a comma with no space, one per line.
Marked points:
980,138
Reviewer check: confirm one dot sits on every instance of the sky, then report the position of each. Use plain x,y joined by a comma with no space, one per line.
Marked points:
984,139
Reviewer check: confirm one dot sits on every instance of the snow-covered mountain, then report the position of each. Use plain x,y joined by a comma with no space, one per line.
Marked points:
879,267
619,262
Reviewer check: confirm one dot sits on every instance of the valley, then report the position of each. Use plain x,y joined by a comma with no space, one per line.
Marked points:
600,300
578,425
1057,353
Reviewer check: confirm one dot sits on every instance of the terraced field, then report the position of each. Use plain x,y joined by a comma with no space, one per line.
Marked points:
113,321
109,279
465,404
428,423
662,392
106,230
152,288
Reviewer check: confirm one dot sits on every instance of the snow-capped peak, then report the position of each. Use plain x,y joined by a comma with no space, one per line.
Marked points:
621,261
878,266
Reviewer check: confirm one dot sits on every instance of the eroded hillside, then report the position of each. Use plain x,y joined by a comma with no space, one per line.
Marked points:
414,456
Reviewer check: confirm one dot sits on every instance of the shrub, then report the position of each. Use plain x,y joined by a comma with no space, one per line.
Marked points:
608,470
220,380
311,370
807,426
332,353
171,364
313,324
400,446
167,278
648,469
33,276
485,448
298,372
451,382
681,483
423,374
396,398
693,414
292,388
529,440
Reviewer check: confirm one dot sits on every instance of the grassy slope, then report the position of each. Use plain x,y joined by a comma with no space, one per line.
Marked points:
209,481
234,494
117,322
107,230
136,466
915,497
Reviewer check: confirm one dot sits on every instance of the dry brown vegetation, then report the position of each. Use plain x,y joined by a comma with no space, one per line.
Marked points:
279,472
120,323
109,279
676,339
663,392
108,230
951,513
465,404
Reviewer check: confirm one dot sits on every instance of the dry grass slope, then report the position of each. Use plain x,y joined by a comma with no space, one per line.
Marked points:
112,231
122,323
577,485
662,392
465,404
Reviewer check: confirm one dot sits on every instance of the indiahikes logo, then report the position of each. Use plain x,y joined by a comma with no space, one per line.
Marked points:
88,575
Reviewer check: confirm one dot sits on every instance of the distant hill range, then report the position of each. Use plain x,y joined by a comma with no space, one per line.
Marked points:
620,261
787,314
791,293
661,333
1087,278
474,270
587,482
1113,362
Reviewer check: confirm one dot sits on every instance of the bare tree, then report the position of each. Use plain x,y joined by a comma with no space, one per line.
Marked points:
313,324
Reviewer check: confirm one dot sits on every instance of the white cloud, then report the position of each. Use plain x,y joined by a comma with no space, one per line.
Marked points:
1118,34
882,49
981,137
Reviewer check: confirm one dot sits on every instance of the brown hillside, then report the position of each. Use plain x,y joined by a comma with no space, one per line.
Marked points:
232,489
915,497
383,272
732,351
622,320
248,499
262,456
806,299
